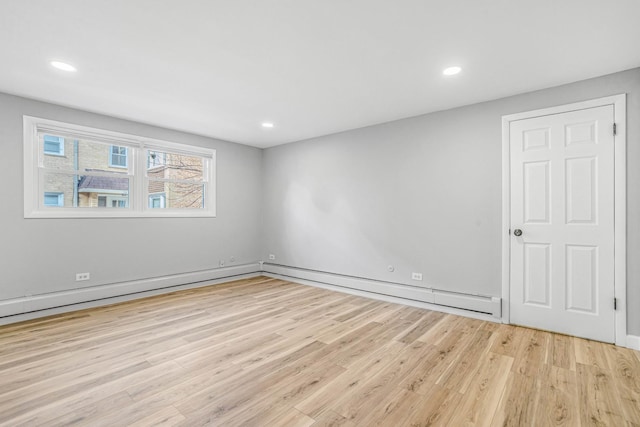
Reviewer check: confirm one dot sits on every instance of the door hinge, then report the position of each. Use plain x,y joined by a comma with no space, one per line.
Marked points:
615,303
615,129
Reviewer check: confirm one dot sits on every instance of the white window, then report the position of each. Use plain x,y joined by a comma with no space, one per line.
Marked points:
53,199
109,174
155,159
53,145
156,201
118,157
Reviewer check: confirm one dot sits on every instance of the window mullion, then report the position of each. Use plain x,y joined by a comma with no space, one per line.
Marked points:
212,185
139,176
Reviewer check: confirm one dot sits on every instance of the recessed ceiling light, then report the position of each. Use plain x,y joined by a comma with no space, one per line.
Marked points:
267,125
63,66
451,71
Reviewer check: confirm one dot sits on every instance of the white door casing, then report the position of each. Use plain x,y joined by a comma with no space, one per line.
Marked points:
562,191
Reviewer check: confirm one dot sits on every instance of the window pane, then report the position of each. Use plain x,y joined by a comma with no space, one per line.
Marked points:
174,166
86,156
177,195
88,191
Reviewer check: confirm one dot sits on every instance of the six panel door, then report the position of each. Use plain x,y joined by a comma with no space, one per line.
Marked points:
562,200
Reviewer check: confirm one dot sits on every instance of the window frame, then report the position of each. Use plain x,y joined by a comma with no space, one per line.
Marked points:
137,172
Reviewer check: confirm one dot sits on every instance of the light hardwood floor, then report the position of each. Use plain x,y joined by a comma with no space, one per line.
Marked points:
265,352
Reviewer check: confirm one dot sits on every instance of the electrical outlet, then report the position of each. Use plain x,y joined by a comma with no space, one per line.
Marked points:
221,263
391,268
272,257
82,276
232,259
416,276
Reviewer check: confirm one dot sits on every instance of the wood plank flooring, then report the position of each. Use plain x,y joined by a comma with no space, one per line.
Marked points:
265,352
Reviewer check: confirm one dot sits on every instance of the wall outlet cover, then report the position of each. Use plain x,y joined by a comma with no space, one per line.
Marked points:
82,276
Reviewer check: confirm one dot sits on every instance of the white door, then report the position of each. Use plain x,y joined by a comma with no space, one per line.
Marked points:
562,203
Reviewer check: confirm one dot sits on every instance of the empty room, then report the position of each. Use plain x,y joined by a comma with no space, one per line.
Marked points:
320,213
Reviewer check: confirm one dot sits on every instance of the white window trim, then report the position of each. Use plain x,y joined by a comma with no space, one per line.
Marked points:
138,196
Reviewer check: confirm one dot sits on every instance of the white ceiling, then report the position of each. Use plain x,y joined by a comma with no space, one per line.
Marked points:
220,68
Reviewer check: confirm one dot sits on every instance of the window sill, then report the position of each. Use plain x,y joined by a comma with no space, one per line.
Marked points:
88,213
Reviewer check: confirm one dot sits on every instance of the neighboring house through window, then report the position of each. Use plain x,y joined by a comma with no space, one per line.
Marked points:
54,145
157,201
118,156
155,159
54,199
111,191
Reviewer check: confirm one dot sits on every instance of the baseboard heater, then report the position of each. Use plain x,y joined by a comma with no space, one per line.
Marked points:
74,299
472,303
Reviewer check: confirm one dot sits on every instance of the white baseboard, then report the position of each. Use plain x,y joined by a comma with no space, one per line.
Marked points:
485,308
31,307
633,341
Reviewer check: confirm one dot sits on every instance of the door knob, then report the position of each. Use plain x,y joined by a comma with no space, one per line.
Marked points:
517,232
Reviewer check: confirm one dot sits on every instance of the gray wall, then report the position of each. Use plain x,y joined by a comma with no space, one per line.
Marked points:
422,194
43,255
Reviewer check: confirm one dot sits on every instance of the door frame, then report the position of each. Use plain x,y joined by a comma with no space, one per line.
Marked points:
620,204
